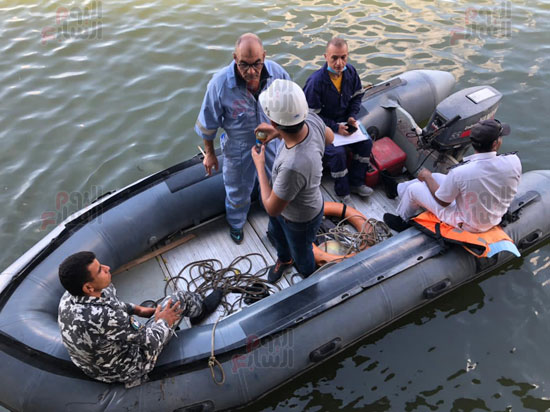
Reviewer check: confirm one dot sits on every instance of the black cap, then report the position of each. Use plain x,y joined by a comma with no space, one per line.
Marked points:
487,131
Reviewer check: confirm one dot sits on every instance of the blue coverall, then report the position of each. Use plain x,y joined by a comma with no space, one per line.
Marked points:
229,105
336,107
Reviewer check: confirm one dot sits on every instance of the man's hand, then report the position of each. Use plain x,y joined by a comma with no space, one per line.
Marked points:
424,175
258,157
352,121
171,314
143,311
210,160
343,129
269,130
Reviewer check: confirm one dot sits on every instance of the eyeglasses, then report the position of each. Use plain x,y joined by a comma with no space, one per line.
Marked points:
244,66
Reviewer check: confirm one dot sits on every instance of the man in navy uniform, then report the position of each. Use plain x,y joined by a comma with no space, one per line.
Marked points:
334,92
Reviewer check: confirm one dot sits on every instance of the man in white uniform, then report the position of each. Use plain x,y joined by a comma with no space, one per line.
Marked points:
474,195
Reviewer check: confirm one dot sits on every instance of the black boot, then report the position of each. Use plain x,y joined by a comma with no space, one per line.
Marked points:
390,184
395,222
277,270
209,305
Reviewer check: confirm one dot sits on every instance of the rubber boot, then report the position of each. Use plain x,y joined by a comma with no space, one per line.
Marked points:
209,305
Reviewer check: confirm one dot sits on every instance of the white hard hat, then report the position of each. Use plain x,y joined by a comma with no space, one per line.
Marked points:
284,102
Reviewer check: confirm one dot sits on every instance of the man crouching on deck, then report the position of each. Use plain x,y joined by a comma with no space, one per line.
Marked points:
295,204
100,333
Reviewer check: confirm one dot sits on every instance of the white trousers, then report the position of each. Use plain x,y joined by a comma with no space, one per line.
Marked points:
415,196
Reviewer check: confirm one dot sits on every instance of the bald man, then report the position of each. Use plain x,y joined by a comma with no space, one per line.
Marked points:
335,93
231,103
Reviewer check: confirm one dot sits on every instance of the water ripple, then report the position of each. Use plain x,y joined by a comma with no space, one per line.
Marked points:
103,107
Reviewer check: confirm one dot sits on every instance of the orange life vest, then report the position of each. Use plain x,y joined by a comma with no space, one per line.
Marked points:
484,244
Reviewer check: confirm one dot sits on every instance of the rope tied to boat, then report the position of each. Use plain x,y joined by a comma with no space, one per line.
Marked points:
212,361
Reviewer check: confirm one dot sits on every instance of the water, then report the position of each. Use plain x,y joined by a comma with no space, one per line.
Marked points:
86,108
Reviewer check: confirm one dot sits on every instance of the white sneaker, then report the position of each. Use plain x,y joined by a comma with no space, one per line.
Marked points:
362,190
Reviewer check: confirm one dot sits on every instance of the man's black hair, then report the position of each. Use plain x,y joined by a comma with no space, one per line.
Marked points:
295,128
74,273
485,147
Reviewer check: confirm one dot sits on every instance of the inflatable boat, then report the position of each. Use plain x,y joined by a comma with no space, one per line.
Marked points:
232,361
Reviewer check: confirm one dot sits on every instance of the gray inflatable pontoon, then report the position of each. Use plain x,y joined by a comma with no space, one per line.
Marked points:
292,330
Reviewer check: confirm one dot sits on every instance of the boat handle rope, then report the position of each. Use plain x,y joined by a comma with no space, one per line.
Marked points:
212,361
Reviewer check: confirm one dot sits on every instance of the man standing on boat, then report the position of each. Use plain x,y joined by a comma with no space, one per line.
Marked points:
231,103
474,195
335,93
295,203
100,332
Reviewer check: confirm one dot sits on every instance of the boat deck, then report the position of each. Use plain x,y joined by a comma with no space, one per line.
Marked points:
149,280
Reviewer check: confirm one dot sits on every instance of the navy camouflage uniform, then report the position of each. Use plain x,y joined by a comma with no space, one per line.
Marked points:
336,107
108,343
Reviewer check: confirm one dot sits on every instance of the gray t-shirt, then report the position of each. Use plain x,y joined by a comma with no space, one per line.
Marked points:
297,173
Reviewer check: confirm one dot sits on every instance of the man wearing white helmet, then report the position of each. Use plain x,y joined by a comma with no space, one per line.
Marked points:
294,202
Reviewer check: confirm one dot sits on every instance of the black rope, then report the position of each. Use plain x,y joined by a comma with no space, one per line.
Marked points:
206,275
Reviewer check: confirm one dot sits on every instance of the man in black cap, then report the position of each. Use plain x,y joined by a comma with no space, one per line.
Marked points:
474,195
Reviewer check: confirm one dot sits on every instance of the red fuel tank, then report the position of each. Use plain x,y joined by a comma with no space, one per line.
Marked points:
388,156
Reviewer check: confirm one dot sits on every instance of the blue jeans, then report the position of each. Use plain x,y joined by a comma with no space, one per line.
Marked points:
293,240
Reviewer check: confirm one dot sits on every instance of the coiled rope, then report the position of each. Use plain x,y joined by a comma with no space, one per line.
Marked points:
206,275
372,232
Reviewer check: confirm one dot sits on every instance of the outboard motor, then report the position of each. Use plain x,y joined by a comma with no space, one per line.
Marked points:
446,138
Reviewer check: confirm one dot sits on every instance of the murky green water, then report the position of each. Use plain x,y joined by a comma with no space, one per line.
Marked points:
91,102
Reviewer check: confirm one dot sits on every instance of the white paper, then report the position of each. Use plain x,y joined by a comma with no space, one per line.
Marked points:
340,140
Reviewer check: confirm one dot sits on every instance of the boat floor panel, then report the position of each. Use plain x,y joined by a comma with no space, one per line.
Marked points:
212,241
144,282
373,206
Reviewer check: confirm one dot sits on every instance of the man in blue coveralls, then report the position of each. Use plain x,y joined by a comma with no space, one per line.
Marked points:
334,92
231,102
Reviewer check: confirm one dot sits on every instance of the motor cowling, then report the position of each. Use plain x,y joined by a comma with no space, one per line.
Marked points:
451,123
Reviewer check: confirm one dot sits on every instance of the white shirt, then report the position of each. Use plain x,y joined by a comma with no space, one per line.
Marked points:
483,189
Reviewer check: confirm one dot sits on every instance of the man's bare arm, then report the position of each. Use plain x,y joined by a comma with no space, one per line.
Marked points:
426,176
